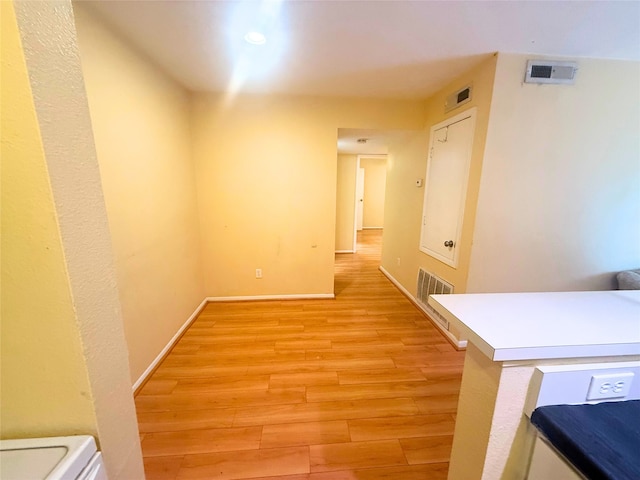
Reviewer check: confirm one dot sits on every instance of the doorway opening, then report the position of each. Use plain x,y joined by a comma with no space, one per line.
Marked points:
360,196
361,184
370,189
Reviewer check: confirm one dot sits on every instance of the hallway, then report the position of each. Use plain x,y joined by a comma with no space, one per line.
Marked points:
360,387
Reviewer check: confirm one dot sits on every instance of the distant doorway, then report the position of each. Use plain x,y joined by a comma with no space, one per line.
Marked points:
369,194
359,199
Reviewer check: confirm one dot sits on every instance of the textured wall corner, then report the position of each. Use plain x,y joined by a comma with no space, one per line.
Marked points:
50,46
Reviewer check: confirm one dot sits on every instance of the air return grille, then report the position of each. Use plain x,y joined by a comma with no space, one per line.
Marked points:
429,284
458,98
540,71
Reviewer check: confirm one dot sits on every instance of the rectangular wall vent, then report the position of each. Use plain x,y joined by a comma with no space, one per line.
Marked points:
429,284
458,98
540,71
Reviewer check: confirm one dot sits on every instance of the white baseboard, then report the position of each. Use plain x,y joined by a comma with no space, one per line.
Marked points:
168,346
372,228
450,336
244,298
345,251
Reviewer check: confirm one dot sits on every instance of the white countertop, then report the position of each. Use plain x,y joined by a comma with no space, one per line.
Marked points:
527,326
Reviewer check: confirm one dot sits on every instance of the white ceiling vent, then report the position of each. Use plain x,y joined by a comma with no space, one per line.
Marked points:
540,71
458,98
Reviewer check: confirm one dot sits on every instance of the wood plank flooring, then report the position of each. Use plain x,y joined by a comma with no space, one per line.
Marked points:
361,387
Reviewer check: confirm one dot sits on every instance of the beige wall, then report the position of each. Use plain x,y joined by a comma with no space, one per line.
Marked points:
402,228
39,396
64,357
375,178
345,201
559,203
141,127
408,162
266,173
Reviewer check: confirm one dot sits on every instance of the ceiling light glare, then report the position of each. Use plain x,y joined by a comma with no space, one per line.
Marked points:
255,38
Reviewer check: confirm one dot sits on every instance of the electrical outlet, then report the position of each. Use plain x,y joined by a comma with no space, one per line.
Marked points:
610,385
398,261
258,273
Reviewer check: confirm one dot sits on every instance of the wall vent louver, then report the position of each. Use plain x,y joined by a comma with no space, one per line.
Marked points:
429,284
458,98
542,71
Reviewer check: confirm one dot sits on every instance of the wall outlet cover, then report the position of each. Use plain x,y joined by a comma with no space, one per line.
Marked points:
613,385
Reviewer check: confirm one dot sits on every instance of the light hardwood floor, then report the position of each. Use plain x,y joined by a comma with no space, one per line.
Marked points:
361,387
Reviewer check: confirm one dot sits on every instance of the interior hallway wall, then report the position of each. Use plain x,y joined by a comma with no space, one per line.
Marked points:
64,358
142,132
375,178
266,173
559,203
43,367
408,162
345,202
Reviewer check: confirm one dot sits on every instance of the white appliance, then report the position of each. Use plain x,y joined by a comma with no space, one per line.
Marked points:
53,458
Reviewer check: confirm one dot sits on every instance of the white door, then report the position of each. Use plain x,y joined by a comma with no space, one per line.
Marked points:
359,198
446,186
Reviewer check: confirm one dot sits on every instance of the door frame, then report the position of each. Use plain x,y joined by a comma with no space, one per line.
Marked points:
355,195
360,172
471,114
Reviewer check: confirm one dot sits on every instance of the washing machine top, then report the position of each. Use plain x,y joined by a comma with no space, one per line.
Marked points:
52,458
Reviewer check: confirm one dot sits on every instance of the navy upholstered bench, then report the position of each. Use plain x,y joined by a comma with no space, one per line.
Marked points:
601,441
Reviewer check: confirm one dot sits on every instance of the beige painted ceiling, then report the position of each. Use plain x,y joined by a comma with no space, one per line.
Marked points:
384,49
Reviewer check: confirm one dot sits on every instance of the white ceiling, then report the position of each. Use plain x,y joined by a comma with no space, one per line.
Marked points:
392,49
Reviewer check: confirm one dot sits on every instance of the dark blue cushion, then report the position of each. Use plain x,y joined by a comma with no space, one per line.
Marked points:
602,441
